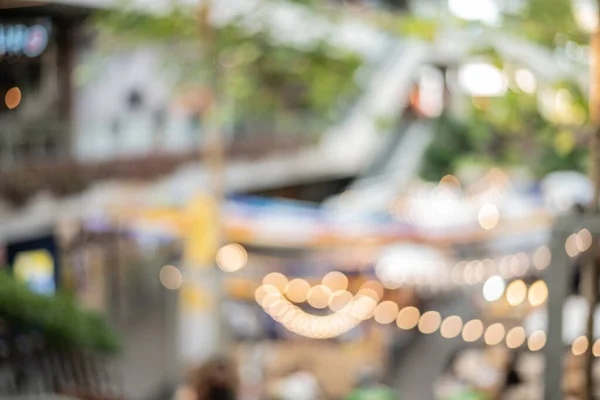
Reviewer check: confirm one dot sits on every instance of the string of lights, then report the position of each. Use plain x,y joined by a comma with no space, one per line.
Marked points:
279,297
363,307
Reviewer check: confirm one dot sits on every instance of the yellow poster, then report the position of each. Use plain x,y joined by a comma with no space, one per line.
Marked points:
36,269
202,235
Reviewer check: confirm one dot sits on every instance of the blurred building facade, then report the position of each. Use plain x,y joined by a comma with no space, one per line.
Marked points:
37,49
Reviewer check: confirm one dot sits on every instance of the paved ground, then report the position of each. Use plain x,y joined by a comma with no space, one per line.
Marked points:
423,361
148,344
149,353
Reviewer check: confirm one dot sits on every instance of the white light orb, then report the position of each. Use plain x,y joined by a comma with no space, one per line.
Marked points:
493,288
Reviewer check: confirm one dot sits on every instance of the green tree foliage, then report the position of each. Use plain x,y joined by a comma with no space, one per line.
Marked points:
519,127
62,322
544,22
451,143
259,75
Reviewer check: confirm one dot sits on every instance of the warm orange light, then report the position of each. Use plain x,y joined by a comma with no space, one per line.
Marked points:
516,293
386,312
363,308
375,286
408,318
494,334
232,257
339,300
472,330
277,280
515,337
571,245
318,296
538,293
170,277
451,327
430,322
537,341
542,258
12,98
450,180
579,346
596,348
335,281
489,216
583,240
297,290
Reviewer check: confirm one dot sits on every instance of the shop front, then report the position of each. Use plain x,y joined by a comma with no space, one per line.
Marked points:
37,45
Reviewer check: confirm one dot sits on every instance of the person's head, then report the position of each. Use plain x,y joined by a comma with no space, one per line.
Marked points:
217,379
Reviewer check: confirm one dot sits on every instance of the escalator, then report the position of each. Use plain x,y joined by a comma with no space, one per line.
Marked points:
396,165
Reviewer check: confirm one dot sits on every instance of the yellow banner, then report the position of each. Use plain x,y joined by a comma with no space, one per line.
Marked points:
202,233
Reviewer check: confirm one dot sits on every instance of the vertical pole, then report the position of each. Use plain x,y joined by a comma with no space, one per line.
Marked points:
215,153
201,320
592,268
594,110
557,278
590,279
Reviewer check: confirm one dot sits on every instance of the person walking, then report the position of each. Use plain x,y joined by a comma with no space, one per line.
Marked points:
217,379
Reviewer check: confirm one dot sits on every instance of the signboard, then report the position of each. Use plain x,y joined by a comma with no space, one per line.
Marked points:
23,40
35,263
202,236
36,269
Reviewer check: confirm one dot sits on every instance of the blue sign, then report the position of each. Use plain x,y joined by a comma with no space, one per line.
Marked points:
22,40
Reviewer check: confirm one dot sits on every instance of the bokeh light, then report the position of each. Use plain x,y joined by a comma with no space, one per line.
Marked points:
12,99
480,79
451,327
450,180
580,346
297,290
538,293
479,272
571,245
489,216
318,296
583,240
493,288
335,281
515,337
542,258
386,312
263,291
232,257
469,273
596,348
375,287
277,280
370,293
279,308
408,318
526,80
339,300
494,334
472,331
536,341
430,322
363,308
516,292
170,277
523,260
272,298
